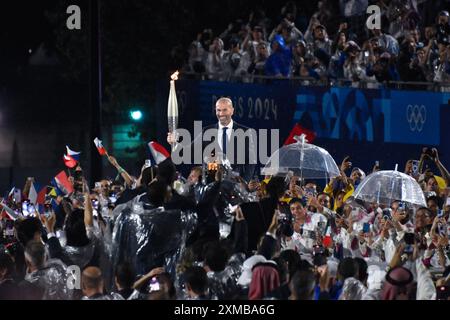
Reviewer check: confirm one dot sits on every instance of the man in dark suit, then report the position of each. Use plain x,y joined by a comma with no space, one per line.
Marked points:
227,134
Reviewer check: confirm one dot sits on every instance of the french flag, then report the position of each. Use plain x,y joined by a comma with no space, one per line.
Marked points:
61,181
159,153
99,145
73,154
37,194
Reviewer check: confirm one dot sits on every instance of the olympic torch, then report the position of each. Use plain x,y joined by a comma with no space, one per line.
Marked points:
172,108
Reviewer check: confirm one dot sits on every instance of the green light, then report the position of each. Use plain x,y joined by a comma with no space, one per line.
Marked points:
136,115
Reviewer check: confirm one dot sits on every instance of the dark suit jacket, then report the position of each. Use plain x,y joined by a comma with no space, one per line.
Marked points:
247,169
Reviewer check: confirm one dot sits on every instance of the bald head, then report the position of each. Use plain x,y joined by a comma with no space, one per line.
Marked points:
92,279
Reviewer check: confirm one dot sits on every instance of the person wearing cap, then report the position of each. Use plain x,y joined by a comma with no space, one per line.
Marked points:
298,55
352,66
321,40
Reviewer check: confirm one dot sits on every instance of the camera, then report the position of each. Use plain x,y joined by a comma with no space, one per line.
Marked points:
387,214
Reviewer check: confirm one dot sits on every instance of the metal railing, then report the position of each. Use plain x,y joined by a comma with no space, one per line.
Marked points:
310,81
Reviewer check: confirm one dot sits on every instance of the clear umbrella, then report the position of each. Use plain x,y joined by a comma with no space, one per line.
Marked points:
302,159
384,187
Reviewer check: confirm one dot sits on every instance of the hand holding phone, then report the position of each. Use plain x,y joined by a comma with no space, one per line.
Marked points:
154,284
366,227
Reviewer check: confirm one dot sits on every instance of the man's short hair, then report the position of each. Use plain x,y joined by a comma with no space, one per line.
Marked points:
27,228
198,169
6,263
347,268
156,192
35,253
216,256
303,283
91,278
197,279
125,275
225,100
297,200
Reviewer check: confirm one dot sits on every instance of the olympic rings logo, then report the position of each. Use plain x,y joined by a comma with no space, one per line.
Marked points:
416,116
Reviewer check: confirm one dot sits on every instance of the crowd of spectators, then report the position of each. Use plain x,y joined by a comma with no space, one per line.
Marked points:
292,240
334,44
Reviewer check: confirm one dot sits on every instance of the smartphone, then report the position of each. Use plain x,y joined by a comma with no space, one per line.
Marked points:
154,284
25,211
448,201
377,163
440,213
113,198
309,192
148,163
98,185
401,206
409,249
366,227
415,167
48,210
409,238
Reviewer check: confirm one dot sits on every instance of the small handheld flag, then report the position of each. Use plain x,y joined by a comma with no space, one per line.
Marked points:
75,155
61,181
159,153
100,148
69,161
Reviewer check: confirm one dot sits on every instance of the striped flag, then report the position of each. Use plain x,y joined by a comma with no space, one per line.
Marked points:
37,194
99,145
159,153
61,181
73,154
8,213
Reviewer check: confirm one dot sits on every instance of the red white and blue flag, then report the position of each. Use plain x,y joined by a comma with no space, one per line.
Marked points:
99,145
37,194
159,153
73,154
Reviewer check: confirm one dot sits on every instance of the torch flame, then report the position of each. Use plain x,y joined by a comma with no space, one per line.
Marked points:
174,76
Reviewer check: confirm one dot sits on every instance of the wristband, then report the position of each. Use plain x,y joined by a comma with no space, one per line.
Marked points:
120,170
